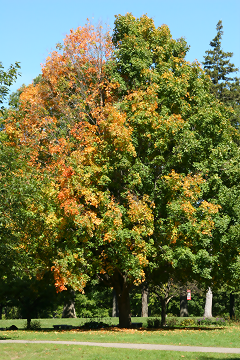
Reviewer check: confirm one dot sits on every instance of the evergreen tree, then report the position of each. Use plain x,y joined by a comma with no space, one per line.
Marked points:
217,65
226,88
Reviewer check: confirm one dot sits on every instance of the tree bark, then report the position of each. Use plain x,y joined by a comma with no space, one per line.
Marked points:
208,304
232,306
122,290
144,300
69,311
69,307
115,312
29,323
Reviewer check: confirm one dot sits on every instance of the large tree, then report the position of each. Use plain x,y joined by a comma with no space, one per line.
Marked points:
132,143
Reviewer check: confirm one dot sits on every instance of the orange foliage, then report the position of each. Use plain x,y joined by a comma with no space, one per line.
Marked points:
60,281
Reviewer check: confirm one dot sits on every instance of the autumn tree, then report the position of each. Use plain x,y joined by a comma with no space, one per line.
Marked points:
132,144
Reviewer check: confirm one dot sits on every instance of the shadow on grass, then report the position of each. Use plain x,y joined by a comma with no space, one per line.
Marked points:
185,328
118,329
207,357
5,337
112,329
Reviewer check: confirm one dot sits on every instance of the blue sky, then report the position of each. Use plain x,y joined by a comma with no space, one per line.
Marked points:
30,29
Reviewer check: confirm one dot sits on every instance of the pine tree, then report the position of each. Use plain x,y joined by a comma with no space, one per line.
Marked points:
217,65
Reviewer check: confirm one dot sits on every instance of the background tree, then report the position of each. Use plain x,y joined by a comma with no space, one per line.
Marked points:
8,156
21,198
7,78
225,86
31,296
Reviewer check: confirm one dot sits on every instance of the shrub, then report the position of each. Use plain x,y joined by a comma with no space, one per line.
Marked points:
204,321
219,322
172,322
154,323
95,324
187,322
34,325
212,321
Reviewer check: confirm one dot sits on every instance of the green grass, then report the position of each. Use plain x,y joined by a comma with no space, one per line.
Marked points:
48,323
226,337
76,352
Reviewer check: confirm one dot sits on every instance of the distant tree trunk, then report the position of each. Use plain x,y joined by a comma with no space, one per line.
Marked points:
163,311
6,312
183,303
69,310
232,306
145,300
29,323
208,304
115,312
122,290
164,298
1,311
69,307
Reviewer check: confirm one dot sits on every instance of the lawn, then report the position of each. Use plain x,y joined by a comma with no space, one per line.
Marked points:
76,352
224,337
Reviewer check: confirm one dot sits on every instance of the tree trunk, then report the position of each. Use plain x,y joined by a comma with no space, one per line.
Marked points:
232,306
163,311
69,311
208,304
1,311
144,300
183,303
69,307
115,312
29,323
122,290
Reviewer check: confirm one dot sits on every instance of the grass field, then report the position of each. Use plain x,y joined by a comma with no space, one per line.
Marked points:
63,352
222,337
75,352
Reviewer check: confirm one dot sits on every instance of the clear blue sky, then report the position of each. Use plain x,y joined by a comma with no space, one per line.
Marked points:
30,29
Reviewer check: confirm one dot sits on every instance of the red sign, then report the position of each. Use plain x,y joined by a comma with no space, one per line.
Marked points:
188,294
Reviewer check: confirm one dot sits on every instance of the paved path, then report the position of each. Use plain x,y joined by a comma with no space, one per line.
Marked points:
133,346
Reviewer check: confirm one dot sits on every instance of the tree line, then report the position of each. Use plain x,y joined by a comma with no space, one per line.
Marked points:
119,163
